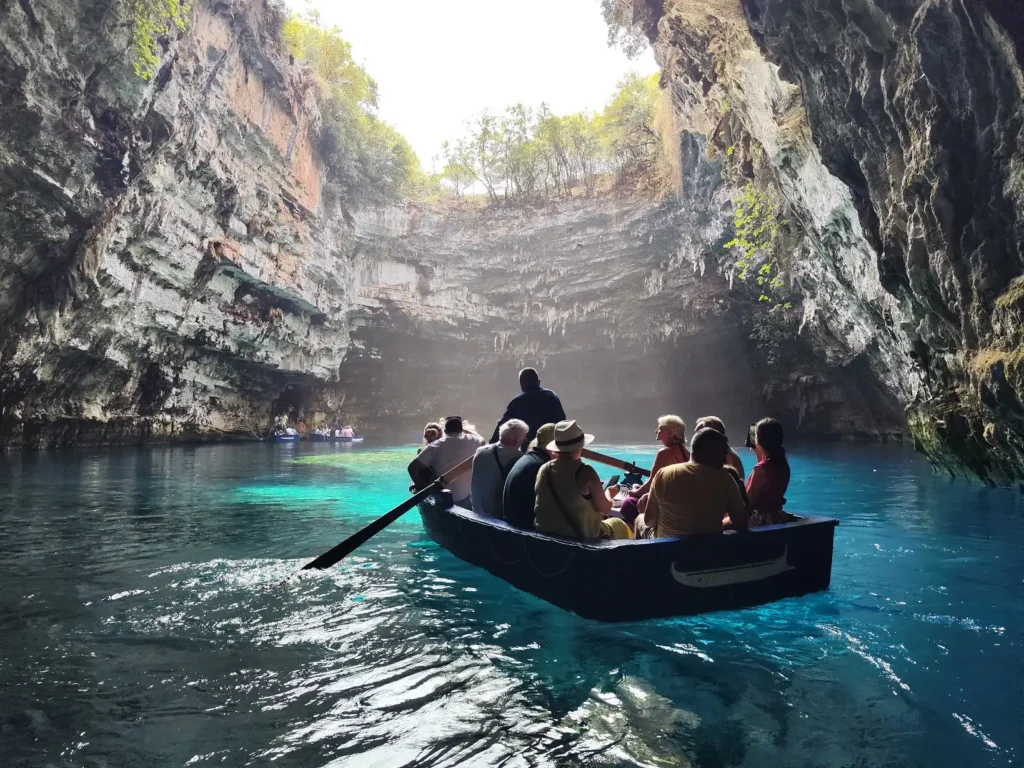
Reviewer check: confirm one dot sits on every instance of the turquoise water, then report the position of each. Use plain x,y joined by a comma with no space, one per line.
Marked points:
146,620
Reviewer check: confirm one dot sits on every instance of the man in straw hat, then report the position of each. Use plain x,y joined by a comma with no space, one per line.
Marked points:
571,501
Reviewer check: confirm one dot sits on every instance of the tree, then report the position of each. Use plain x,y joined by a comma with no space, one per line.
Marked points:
622,33
529,153
366,158
629,125
150,20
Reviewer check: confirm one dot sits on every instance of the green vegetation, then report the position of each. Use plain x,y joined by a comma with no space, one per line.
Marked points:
628,37
150,20
756,224
530,153
366,158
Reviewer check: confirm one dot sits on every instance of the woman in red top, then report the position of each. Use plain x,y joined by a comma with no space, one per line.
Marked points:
769,479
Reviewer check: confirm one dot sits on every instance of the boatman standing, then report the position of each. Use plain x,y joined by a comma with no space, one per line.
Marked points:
535,405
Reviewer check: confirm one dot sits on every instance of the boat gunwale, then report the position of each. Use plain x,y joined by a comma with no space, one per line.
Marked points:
469,515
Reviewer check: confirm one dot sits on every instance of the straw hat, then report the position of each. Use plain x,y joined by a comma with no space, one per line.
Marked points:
569,437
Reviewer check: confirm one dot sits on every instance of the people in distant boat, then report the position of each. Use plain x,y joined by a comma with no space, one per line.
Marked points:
695,496
671,433
348,431
769,479
535,405
454,447
431,432
713,422
492,464
520,494
571,501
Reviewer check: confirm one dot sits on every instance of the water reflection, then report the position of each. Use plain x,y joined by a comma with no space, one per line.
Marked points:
148,618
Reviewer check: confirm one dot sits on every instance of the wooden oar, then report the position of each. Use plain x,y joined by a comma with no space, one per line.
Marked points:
611,461
329,558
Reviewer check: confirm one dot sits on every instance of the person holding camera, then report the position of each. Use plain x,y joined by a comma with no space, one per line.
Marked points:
769,479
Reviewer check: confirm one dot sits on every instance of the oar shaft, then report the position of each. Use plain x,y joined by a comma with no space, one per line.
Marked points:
360,537
332,556
611,461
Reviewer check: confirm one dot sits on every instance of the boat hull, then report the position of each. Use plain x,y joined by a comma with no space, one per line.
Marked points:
636,580
287,438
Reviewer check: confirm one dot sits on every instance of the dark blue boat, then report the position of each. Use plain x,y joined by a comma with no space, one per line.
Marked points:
635,580
285,438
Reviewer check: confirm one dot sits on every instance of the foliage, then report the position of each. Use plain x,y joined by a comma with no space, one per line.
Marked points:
756,224
527,153
150,20
629,38
365,157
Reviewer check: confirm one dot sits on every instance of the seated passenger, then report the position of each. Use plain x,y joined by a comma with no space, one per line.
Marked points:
694,497
348,432
769,478
437,458
491,466
713,422
520,496
571,501
431,433
672,436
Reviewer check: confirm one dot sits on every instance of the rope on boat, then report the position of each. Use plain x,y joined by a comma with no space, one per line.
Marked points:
572,556
494,554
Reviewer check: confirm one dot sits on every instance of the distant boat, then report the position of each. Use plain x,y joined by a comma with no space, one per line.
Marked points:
287,437
330,439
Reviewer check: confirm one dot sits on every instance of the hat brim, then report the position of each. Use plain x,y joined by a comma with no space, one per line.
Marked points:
575,446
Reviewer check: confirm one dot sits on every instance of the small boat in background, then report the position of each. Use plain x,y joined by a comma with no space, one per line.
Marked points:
355,439
288,435
632,580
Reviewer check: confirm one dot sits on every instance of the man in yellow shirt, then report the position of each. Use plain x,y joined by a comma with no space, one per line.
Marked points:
694,497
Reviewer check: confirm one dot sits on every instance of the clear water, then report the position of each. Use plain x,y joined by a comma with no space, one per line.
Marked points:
145,620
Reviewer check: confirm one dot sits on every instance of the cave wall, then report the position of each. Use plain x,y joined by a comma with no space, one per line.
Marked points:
174,262
891,131
168,263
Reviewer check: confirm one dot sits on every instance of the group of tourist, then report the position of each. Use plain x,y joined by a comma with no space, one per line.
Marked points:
531,474
347,431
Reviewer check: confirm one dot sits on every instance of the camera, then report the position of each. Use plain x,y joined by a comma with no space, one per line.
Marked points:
750,436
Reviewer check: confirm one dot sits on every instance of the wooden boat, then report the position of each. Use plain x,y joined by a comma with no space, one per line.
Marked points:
286,438
634,580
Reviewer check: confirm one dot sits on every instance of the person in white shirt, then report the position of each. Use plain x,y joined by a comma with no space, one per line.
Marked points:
456,446
491,466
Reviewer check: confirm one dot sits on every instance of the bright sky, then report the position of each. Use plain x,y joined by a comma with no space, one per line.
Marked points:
439,62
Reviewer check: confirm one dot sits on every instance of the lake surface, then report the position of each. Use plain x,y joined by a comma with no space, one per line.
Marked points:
145,621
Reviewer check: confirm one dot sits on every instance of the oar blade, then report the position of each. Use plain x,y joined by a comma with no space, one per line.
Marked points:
360,537
357,539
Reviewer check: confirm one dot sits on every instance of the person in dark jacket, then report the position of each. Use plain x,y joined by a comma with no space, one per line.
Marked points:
520,493
535,405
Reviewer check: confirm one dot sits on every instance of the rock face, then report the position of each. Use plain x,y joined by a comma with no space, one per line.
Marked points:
172,266
891,130
168,263
174,263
